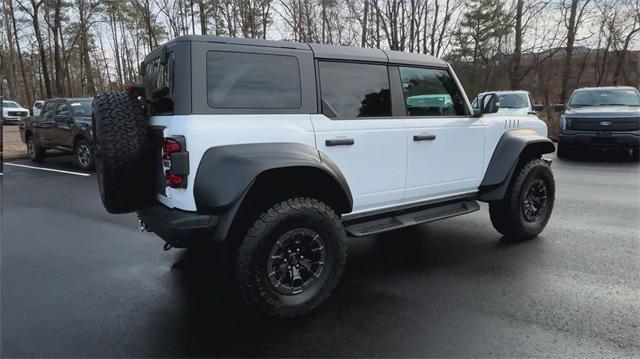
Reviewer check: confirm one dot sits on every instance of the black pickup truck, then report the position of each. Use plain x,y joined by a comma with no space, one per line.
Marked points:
64,124
601,117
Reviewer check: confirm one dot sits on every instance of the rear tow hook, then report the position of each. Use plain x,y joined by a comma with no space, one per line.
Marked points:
142,226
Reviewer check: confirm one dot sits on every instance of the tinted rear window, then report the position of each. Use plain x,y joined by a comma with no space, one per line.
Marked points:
80,108
351,90
252,81
158,84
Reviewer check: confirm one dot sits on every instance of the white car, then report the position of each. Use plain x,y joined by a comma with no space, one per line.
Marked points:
12,112
37,107
280,150
513,102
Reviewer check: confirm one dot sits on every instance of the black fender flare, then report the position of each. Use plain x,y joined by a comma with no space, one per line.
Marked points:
512,146
225,173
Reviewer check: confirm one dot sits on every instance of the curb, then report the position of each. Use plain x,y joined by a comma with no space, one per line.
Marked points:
17,156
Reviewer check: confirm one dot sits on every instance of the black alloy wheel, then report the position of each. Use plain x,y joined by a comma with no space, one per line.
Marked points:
296,261
535,200
85,155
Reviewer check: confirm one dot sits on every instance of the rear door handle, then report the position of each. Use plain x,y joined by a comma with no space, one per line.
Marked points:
339,142
424,137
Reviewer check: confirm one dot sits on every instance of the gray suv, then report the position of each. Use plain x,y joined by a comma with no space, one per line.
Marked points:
600,117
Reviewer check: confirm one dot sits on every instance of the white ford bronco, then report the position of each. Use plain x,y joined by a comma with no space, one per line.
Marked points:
282,150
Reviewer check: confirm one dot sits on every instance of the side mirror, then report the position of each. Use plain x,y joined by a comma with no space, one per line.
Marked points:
538,108
489,103
560,107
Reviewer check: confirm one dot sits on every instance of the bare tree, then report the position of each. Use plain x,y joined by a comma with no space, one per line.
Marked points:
575,11
32,8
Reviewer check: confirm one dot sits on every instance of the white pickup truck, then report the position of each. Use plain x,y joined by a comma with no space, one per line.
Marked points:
512,102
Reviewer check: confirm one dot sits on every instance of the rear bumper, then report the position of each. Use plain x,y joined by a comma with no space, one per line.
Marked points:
600,139
179,228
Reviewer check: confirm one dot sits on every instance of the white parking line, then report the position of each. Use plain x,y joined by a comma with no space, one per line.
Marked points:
49,169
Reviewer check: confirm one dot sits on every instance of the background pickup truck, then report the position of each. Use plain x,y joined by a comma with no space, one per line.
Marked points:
600,118
512,102
64,124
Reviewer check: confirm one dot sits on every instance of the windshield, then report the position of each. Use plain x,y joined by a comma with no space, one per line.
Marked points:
81,108
611,97
10,104
513,100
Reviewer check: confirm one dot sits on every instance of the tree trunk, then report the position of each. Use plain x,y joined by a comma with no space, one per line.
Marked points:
203,16
19,51
116,49
622,56
57,24
603,69
517,52
12,67
571,36
363,38
41,50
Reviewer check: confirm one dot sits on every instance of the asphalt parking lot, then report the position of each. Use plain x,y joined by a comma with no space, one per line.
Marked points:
77,281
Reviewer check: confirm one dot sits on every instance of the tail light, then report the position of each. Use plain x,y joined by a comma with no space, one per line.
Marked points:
175,160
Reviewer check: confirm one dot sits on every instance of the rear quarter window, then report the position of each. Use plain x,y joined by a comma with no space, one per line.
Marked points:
159,84
252,81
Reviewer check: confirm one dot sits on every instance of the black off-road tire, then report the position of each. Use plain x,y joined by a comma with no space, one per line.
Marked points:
34,151
83,148
508,215
249,257
122,152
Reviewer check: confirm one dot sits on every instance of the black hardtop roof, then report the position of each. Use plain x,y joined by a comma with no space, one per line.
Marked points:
322,51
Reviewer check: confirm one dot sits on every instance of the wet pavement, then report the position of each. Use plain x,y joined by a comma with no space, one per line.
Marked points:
79,282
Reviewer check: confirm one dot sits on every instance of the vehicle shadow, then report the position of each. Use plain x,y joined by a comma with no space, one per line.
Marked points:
55,160
213,323
590,155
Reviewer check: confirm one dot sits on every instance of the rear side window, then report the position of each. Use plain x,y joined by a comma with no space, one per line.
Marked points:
63,109
159,84
252,81
81,108
431,92
49,110
350,90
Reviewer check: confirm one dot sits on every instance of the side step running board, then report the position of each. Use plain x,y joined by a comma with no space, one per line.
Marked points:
410,218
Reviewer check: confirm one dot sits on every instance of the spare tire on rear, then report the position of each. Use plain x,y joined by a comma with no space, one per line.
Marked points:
122,147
